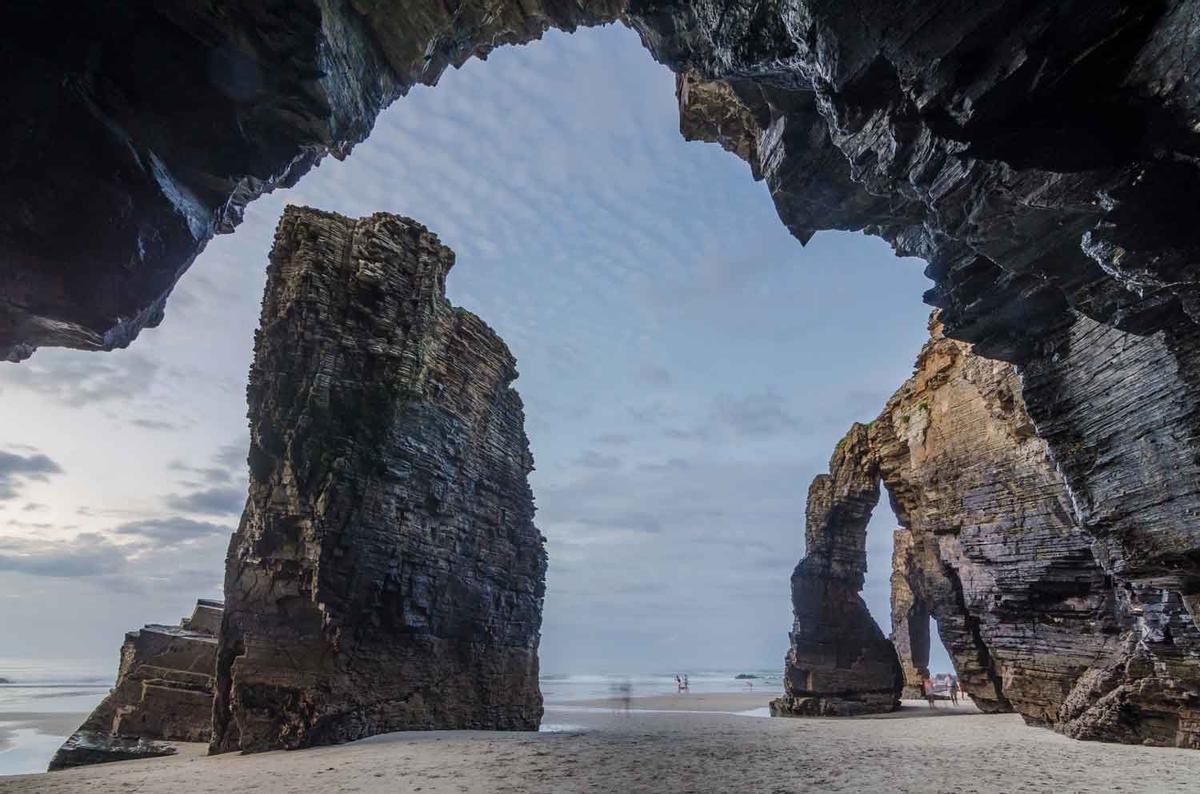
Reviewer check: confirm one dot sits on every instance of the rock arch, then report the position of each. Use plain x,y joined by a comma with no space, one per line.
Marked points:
991,548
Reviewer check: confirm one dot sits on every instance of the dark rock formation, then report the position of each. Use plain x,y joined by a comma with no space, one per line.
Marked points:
1041,156
386,574
991,548
163,694
141,129
839,662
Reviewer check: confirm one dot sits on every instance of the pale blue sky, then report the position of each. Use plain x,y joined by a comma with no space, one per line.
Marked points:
686,367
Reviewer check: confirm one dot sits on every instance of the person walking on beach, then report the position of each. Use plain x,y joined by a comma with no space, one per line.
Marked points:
686,688
954,692
678,683
927,686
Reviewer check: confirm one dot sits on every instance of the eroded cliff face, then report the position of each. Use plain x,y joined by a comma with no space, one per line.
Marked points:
838,663
1040,156
163,694
387,574
1027,603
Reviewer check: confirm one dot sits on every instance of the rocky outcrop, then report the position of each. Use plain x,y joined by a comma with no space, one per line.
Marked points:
839,662
386,574
910,618
163,694
1032,615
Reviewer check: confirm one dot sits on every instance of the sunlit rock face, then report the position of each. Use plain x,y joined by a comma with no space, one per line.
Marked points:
387,574
163,694
1025,603
838,663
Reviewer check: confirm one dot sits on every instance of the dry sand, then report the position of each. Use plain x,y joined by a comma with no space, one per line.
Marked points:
673,744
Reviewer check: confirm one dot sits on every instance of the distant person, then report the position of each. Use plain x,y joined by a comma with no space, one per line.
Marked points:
678,683
625,695
953,691
686,686
927,688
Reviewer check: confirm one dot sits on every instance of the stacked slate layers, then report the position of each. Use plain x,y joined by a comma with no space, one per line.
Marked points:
163,694
839,662
387,574
991,549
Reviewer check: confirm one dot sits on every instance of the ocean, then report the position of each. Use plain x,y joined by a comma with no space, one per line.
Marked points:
76,686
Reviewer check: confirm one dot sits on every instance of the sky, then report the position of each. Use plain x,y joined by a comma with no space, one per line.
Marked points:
686,366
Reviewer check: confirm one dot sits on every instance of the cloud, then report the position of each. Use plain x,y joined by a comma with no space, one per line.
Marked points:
15,470
597,460
633,521
652,413
153,424
655,376
173,529
614,439
88,555
754,414
75,378
211,501
228,469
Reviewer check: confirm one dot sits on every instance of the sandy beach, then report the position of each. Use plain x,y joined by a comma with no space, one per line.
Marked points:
675,743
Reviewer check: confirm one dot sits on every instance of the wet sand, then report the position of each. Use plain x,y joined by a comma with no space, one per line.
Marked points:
674,744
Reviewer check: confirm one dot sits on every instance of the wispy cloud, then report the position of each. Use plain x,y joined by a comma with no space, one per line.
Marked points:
77,379
170,530
17,469
87,555
758,414
209,501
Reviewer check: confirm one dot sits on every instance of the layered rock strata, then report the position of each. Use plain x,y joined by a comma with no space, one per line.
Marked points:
1025,600
910,618
839,663
163,694
386,574
1040,156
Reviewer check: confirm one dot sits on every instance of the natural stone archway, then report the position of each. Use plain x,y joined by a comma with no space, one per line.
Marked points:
387,574
1031,618
839,662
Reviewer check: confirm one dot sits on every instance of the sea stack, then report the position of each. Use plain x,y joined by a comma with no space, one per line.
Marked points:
387,574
